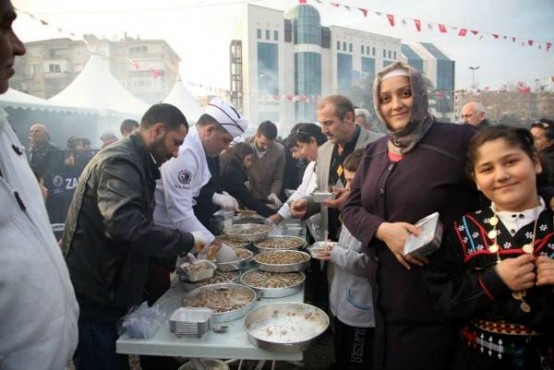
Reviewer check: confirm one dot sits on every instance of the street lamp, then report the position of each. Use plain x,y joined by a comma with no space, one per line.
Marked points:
473,69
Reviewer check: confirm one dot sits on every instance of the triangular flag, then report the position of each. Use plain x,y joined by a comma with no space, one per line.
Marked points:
462,32
346,7
335,4
442,28
530,42
495,35
417,23
403,21
430,26
379,13
302,2
43,22
390,17
548,46
474,32
364,11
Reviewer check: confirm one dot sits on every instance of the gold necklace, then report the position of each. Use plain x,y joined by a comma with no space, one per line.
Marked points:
528,248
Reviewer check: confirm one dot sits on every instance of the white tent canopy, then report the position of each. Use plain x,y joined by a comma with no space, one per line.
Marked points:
17,99
180,97
96,88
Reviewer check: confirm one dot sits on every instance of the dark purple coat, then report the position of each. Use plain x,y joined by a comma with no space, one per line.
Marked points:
430,178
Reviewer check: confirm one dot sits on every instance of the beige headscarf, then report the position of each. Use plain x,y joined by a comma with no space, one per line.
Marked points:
420,118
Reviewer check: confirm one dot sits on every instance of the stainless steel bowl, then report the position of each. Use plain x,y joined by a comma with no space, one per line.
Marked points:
279,243
274,292
232,243
247,232
232,291
303,265
218,278
238,264
285,327
204,363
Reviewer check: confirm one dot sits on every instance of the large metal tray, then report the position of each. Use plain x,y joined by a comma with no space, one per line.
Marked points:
232,243
247,232
229,294
277,292
238,264
279,242
285,327
278,261
218,278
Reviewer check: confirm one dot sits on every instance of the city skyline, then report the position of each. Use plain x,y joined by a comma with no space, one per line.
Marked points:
200,32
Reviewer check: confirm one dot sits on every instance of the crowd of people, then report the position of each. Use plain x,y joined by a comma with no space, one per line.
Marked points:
483,300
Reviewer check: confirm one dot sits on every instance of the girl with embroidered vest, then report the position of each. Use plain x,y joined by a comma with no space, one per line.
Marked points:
495,270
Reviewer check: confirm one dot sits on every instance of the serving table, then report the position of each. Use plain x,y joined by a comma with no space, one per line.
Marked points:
232,344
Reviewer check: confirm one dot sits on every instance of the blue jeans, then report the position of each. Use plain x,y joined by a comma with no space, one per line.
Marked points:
96,348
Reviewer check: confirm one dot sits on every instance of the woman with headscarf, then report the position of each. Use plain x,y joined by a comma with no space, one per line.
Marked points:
414,171
235,164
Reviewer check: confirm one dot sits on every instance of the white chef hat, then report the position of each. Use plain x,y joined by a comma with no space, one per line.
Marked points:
227,116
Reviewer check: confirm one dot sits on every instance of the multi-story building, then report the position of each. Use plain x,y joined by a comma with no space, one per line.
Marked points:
147,68
282,63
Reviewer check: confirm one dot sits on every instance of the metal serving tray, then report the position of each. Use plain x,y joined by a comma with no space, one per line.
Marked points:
274,292
284,266
227,294
279,242
238,264
247,232
285,327
190,321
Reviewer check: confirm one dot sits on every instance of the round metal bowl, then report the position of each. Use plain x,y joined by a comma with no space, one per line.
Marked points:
285,327
271,289
228,295
232,243
279,242
238,264
218,278
247,232
283,261
204,363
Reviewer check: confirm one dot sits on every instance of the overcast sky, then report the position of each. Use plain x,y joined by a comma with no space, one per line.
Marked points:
200,30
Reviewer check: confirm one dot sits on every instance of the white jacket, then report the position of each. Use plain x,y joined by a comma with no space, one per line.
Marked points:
350,297
305,188
182,178
38,309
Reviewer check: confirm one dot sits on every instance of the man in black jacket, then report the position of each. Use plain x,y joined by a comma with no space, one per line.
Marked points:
110,235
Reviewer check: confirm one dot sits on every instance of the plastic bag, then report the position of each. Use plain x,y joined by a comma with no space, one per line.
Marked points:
144,321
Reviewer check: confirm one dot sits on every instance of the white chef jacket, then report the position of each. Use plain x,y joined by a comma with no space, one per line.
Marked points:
306,187
182,178
38,309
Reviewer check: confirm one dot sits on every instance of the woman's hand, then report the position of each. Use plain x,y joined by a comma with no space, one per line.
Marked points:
545,270
394,235
517,273
340,198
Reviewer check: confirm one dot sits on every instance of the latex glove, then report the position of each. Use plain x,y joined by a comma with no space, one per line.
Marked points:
225,201
200,240
275,200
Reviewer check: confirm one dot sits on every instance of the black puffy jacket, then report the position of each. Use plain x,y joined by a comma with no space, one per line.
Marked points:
109,233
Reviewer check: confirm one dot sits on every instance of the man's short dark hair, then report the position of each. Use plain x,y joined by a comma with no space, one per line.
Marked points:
267,129
168,114
128,126
342,104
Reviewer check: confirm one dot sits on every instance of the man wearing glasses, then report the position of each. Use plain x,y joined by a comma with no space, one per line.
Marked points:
473,113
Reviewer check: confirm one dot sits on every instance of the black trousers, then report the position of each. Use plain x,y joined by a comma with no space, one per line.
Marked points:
353,347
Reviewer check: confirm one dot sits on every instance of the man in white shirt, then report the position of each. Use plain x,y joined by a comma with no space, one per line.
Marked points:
38,309
188,180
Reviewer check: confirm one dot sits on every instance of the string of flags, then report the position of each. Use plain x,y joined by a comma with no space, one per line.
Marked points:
419,24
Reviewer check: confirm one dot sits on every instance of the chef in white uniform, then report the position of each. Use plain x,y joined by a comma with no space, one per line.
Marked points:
184,178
